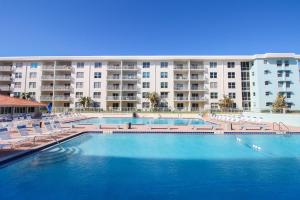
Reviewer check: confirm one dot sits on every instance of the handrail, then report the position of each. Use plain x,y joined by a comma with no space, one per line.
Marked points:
275,123
284,125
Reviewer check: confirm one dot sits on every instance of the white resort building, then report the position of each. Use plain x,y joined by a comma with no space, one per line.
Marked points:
189,83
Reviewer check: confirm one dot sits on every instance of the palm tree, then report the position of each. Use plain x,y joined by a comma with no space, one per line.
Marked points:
85,101
279,103
25,95
154,99
226,103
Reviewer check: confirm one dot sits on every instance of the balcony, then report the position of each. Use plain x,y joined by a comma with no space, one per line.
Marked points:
48,67
181,78
198,88
5,78
113,67
112,98
63,77
198,99
47,88
129,98
130,88
180,67
130,67
113,87
133,78
5,88
197,78
5,68
113,78
62,88
181,88
46,98
195,67
184,98
48,77
62,98
63,67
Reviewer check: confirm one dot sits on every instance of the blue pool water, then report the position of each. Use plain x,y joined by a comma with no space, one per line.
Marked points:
125,120
141,166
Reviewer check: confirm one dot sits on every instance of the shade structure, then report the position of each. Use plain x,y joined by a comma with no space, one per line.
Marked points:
7,101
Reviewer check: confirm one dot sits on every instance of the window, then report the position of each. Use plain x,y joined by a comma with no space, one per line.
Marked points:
79,74
279,63
97,75
17,84
280,84
269,103
164,85
231,95
288,84
146,64
246,95
145,94
230,65
19,65
213,95
252,73
18,75
164,65
279,74
214,106
32,75
245,85
288,95
213,65
79,94
34,65
213,75
79,85
254,94
97,84
213,84
98,65
253,83
267,93
231,85
80,65
163,74
287,74
146,85
164,95
265,62
17,94
231,75
266,72
146,74
97,95
146,105
245,66
245,76
32,84
32,94
286,63
267,82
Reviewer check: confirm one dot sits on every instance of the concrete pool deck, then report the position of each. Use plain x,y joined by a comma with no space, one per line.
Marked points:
219,127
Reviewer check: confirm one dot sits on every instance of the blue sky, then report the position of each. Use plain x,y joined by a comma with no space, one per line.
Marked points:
148,27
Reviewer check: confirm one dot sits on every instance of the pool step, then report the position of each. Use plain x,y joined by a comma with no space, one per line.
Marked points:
55,155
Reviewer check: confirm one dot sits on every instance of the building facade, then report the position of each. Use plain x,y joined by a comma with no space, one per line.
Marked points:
190,83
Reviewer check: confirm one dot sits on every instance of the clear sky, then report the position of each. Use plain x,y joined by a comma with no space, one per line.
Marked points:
148,27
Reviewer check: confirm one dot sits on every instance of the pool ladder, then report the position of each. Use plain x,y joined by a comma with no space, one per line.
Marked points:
282,128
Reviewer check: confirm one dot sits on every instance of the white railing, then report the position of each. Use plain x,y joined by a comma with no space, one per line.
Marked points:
62,98
5,68
197,67
129,98
113,77
113,67
46,98
130,67
130,88
198,98
5,88
5,78
63,67
180,88
181,78
59,77
130,77
62,88
47,77
47,87
198,88
116,98
109,87
180,98
197,78
181,67
48,67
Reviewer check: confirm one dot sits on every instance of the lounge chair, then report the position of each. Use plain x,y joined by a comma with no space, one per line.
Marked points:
8,140
22,129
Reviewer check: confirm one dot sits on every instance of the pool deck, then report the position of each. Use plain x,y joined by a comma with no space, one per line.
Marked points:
219,127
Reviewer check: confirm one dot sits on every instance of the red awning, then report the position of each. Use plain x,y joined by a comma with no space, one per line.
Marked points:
7,101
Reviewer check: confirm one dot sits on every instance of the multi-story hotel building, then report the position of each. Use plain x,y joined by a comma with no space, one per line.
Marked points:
191,83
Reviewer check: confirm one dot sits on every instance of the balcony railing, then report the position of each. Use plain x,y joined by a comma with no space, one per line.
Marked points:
5,78
180,88
48,67
47,88
130,88
63,67
198,88
180,67
196,78
64,77
5,68
62,88
197,67
111,87
131,98
181,98
5,88
62,98
47,77
130,67
198,98
129,77
113,67
181,78
46,98
113,98
113,77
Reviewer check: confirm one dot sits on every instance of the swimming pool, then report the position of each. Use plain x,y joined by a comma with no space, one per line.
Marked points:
142,120
164,166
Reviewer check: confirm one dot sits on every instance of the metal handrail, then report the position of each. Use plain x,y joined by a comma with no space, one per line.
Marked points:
285,126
